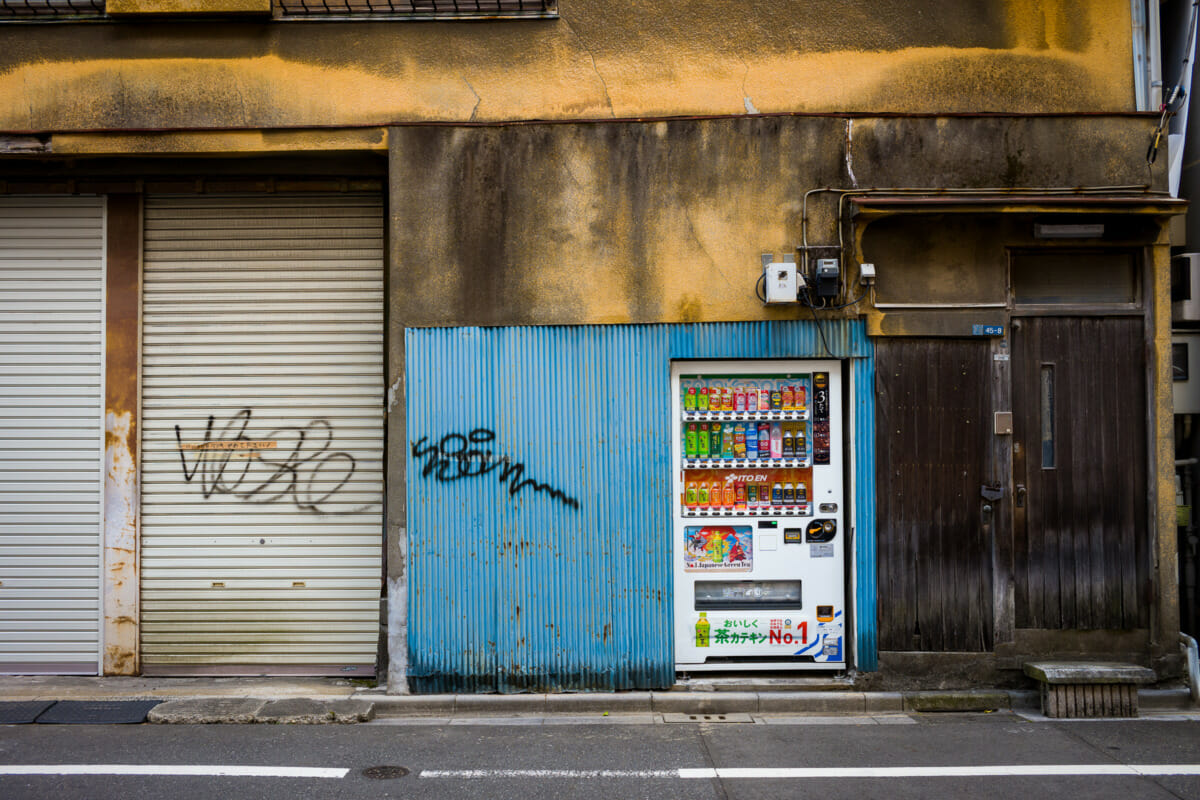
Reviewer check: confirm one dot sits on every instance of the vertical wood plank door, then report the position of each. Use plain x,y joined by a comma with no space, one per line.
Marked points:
1081,538
932,442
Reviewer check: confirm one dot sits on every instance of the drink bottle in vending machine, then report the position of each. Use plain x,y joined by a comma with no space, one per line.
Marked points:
759,542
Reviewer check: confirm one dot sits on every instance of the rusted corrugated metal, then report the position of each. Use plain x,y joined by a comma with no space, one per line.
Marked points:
539,497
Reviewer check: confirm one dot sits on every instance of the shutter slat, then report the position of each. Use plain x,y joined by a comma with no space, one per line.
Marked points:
265,313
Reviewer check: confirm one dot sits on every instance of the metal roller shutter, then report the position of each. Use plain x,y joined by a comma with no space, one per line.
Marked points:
51,433
262,449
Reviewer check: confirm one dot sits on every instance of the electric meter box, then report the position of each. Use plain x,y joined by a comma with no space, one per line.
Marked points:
827,277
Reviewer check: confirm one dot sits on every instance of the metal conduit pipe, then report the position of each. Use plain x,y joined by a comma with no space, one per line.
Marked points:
1193,665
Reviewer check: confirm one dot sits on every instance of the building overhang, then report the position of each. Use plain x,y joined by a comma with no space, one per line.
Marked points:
872,206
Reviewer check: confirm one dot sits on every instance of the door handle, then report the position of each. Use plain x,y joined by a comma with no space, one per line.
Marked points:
1020,496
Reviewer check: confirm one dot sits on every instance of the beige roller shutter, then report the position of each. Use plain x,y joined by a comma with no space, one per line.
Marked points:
51,433
262,449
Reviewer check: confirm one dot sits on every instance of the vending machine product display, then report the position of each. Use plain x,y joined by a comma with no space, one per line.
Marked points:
759,540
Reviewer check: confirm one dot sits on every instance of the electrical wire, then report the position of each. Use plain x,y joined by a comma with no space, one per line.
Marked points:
1173,96
807,300
848,303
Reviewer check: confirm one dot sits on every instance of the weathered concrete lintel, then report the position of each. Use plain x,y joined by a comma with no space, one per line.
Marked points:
876,205
226,142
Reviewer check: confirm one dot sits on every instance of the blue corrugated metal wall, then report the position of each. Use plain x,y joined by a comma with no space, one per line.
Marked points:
539,507
862,407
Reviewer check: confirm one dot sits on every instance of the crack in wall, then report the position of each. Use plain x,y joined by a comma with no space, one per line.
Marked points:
750,107
595,68
478,100
849,154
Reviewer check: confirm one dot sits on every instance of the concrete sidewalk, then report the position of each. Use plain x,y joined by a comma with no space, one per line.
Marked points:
321,700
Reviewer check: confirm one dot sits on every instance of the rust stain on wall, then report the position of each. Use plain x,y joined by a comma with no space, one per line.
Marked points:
120,545
122,304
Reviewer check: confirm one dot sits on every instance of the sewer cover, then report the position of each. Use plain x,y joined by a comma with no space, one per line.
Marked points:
22,712
97,712
384,772
714,718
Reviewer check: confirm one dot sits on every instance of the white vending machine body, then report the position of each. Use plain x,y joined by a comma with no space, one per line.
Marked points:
759,534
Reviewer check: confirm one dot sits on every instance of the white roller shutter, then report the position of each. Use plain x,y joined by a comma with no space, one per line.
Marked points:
262,519
51,433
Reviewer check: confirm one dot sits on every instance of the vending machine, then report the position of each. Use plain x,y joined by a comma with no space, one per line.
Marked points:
758,531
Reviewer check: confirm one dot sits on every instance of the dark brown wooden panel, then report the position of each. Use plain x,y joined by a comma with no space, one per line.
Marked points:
932,444
1082,544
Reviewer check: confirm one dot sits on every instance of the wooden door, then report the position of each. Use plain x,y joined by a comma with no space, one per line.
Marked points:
934,542
1081,545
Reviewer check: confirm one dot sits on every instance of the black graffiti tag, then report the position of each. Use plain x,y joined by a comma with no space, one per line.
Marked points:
262,478
458,456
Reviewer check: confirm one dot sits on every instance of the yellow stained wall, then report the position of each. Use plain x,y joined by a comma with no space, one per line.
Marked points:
663,221
601,58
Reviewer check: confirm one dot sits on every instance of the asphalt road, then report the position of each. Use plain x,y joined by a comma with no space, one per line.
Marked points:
913,756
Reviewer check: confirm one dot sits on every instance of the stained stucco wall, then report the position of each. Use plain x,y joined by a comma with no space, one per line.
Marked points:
666,221
602,58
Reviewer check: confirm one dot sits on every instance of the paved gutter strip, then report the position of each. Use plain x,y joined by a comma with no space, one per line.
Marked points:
222,700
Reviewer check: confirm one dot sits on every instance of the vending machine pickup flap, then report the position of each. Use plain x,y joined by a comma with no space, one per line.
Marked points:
733,595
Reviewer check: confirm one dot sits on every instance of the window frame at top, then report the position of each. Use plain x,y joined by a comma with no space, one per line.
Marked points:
51,10
401,10
296,11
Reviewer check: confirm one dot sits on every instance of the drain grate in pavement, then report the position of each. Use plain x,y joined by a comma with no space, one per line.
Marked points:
22,712
98,712
738,718
385,772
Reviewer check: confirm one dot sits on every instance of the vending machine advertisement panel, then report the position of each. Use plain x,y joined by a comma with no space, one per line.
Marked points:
758,536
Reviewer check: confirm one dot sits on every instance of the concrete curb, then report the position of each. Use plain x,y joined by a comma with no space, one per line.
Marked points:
244,710
965,701
704,702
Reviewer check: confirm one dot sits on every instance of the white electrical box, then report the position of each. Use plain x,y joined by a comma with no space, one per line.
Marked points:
1185,368
782,283
1185,280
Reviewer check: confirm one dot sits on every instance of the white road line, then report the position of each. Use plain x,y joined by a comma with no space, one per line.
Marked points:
788,773
172,769
550,773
